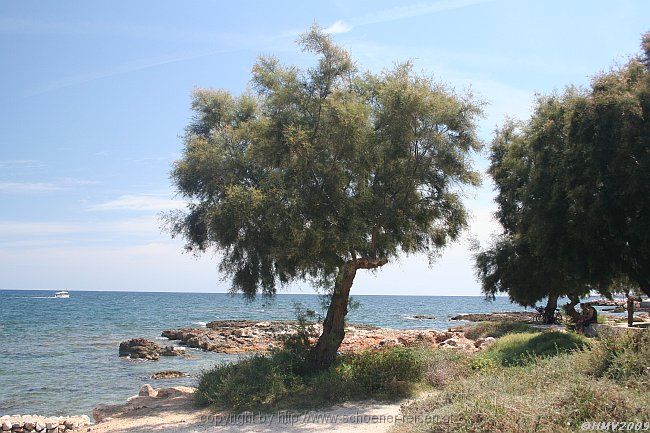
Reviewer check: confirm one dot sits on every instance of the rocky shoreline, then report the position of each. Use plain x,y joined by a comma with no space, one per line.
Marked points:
241,336
510,316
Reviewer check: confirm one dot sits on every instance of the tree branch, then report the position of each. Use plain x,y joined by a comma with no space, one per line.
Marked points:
367,263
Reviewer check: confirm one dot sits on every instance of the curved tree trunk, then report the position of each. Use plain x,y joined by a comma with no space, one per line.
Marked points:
570,308
327,346
549,311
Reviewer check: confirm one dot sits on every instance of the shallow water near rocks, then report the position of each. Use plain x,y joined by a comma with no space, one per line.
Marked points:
60,356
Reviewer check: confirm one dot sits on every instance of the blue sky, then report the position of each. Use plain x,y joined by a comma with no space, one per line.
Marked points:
95,96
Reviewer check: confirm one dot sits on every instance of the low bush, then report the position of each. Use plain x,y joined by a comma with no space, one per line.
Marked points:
496,329
519,349
622,355
269,382
442,367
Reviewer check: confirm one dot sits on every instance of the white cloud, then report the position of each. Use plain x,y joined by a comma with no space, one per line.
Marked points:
125,68
401,12
45,231
338,27
20,163
21,187
140,203
416,10
27,187
145,266
24,228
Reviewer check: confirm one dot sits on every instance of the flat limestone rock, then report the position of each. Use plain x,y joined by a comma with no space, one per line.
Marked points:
169,374
510,316
243,336
155,400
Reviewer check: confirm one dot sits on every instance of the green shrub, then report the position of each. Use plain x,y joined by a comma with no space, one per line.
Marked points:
496,329
444,366
482,363
602,400
519,349
377,372
270,382
620,355
258,381
296,353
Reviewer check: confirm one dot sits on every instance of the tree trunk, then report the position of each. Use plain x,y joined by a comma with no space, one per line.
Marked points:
327,346
549,311
334,324
570,308
630,311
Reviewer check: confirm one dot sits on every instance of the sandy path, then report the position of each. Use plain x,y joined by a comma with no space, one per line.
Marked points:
178,414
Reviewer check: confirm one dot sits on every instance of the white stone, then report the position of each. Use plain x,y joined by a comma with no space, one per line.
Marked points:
147,391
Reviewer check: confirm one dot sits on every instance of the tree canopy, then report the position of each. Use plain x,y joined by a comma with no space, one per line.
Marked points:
313,171
573,187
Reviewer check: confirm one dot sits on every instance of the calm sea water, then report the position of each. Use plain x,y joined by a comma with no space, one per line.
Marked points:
59,356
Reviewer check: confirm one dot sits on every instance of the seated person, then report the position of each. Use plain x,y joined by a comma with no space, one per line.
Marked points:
588,317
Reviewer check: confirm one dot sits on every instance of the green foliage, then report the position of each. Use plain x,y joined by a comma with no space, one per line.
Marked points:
573,191
258,381
482,363
496,329
270,382
314,168
621,355
553,394
376,372
296,353
523,348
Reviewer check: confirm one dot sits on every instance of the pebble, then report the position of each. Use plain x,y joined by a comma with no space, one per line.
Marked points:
41,424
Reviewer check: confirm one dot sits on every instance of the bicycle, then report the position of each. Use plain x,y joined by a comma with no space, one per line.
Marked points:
540,317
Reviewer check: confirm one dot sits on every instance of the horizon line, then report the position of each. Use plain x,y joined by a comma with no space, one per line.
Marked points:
229,293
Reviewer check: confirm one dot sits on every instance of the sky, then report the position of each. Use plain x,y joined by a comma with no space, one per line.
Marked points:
95,96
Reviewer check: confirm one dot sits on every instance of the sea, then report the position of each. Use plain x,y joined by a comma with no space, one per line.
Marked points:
60,356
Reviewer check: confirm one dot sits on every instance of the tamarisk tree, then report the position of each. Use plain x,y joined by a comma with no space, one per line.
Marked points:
316,174
573,188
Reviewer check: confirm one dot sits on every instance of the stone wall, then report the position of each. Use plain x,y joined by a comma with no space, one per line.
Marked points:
42,424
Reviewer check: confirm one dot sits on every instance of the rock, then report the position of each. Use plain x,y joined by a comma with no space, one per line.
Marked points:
140,348
147,391
169,374
29,426
243,336
423,316
172,351
39,426
510,316
172,392
484,342
51,425
450,342
6,424
100,412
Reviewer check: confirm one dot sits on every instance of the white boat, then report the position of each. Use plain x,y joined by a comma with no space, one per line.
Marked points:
62,294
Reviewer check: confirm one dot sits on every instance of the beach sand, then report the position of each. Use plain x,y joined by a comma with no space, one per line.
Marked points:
176,411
